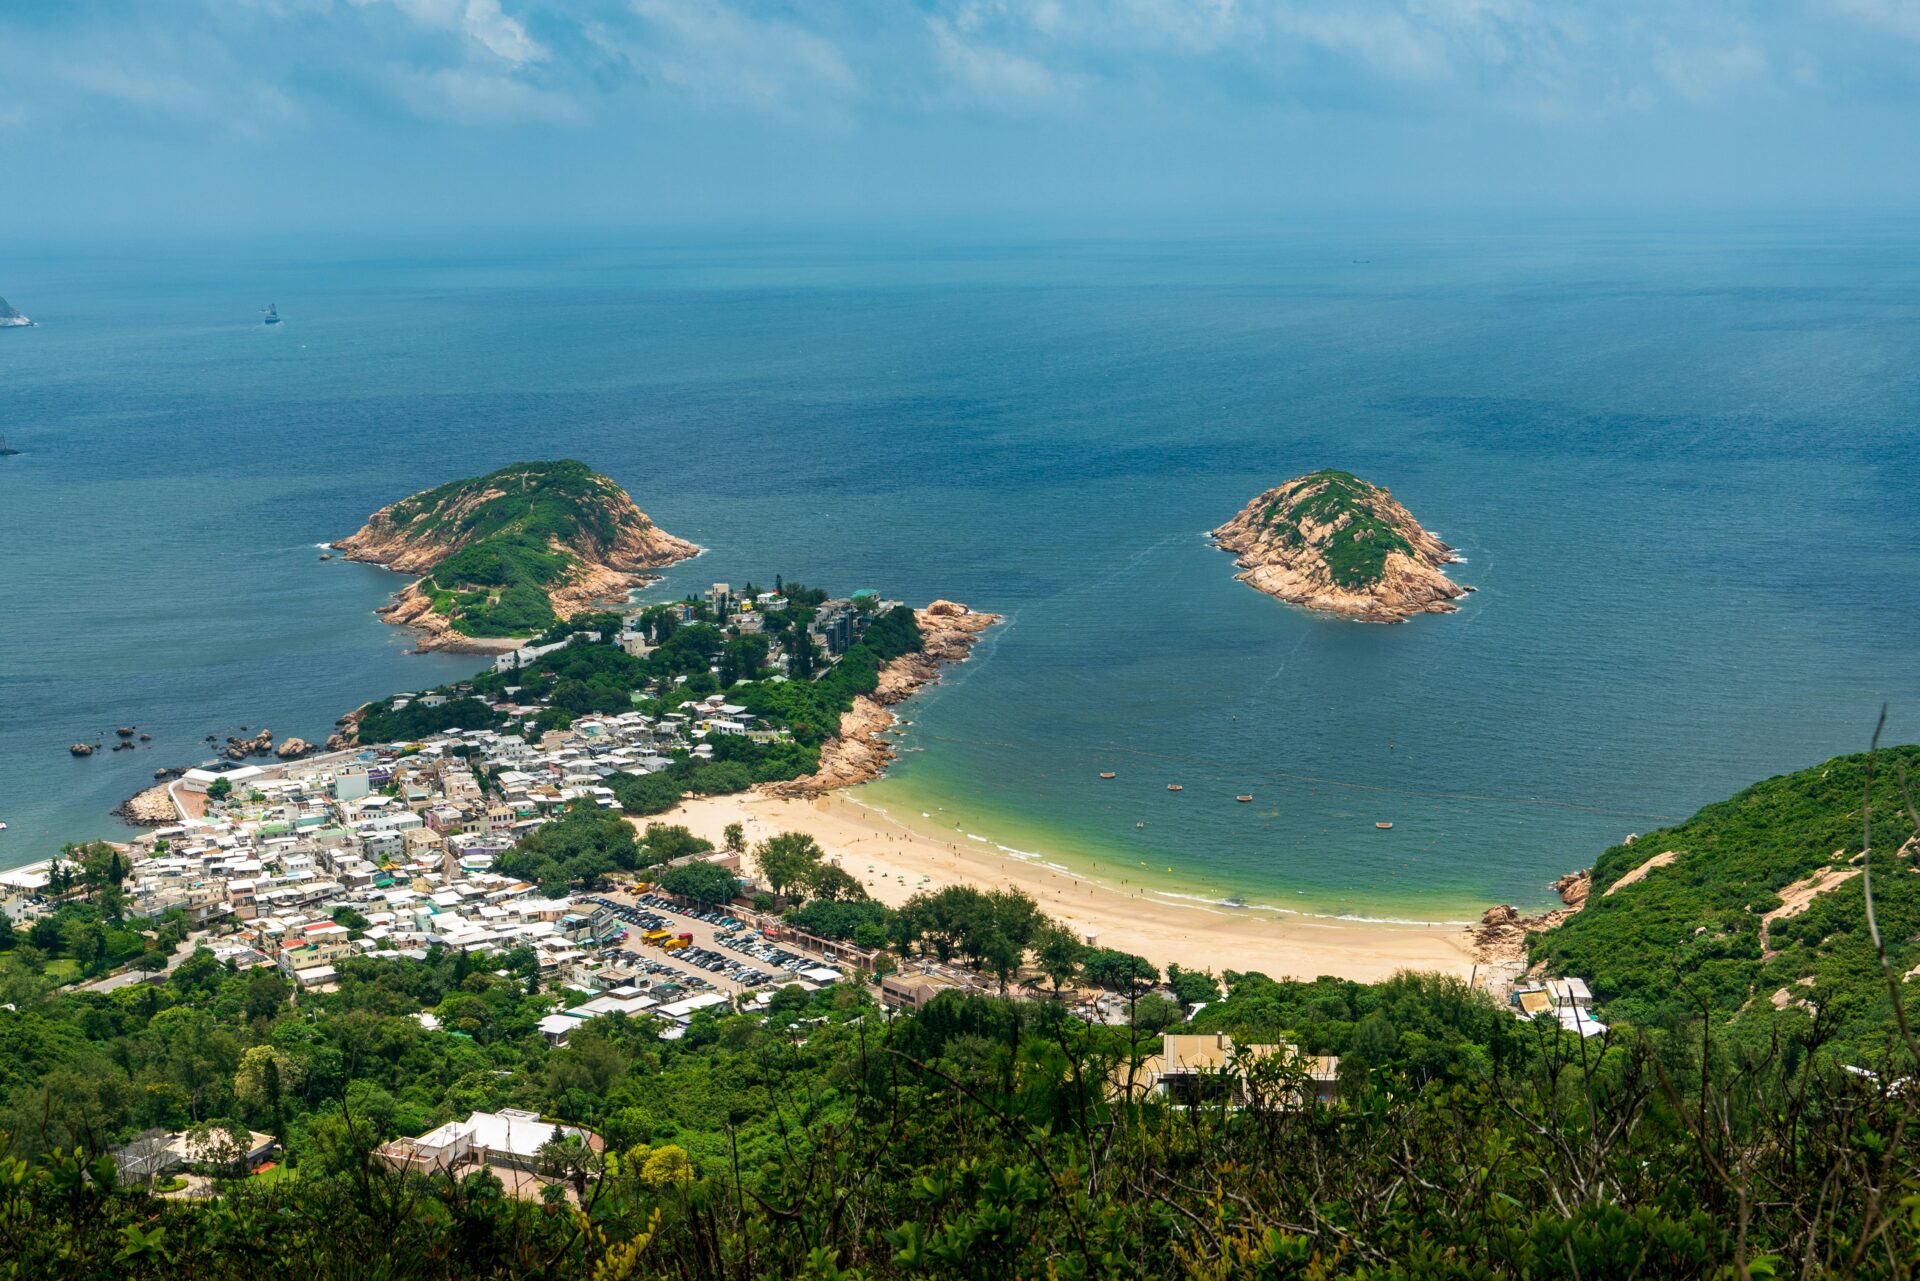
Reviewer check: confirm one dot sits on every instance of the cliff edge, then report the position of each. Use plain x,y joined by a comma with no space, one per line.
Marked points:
1332,542
507,555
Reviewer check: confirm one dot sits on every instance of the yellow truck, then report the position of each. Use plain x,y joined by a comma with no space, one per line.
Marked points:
674,945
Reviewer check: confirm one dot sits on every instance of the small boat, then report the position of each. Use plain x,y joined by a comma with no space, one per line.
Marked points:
1243,799
3,827
1383,826
271,314
1106,773
1139,824
1175,787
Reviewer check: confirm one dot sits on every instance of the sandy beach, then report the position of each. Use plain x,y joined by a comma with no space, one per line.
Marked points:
893,861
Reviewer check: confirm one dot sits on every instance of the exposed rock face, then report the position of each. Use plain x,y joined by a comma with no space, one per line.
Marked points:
860,752
1332,542
1501,935
81,749
293,749
346,732
261,744
555,528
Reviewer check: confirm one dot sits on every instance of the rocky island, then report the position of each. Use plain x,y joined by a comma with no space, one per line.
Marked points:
1332,542
507,555
11,319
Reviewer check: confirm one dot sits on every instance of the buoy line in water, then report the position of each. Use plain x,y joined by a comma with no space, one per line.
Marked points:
1319,781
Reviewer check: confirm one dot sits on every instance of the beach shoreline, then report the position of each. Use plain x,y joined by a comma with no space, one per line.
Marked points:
892,860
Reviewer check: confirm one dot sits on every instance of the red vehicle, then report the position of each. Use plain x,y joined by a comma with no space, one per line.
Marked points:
685,938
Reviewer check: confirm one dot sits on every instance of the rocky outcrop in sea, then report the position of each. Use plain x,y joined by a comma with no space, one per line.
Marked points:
238,749
608,547
1332,542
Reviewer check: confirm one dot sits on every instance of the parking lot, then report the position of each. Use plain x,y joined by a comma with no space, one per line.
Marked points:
725,956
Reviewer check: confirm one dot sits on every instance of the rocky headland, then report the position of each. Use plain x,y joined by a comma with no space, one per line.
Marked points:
1332,542
859,752
504,556
1501,936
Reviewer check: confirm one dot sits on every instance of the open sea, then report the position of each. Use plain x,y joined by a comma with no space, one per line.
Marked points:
1683,464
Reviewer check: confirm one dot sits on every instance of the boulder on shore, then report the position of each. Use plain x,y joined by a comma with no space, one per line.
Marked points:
261,744
293,749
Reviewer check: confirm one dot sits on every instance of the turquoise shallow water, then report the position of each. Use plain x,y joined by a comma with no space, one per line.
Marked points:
1680,464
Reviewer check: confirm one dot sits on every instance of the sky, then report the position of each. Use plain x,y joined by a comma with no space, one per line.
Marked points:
119,116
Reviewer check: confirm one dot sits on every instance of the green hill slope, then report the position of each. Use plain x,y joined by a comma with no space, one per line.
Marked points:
509,553
1759,915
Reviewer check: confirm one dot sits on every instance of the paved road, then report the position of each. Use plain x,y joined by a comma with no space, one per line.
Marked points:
127,978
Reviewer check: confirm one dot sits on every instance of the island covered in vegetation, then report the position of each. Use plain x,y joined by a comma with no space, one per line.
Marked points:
1332,542
511,554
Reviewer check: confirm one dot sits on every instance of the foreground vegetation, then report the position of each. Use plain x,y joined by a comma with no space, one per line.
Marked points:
974,1139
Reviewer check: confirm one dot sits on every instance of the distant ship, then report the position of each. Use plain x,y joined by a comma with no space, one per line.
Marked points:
272,314
5,450
11,319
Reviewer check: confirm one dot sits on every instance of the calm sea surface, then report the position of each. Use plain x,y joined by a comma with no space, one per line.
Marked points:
1682,466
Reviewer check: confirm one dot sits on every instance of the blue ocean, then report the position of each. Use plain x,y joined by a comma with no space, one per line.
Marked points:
1681,462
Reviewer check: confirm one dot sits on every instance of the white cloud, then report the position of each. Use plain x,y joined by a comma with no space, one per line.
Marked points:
1900,17
481,21
462,95
1390,44
723,57
1701,75
994,76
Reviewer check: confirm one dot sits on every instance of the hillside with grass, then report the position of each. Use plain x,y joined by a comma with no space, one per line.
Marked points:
1753,911
510,554
1332,542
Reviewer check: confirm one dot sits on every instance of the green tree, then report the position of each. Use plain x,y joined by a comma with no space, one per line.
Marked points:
787,860
702,882
1058,954
1119,971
